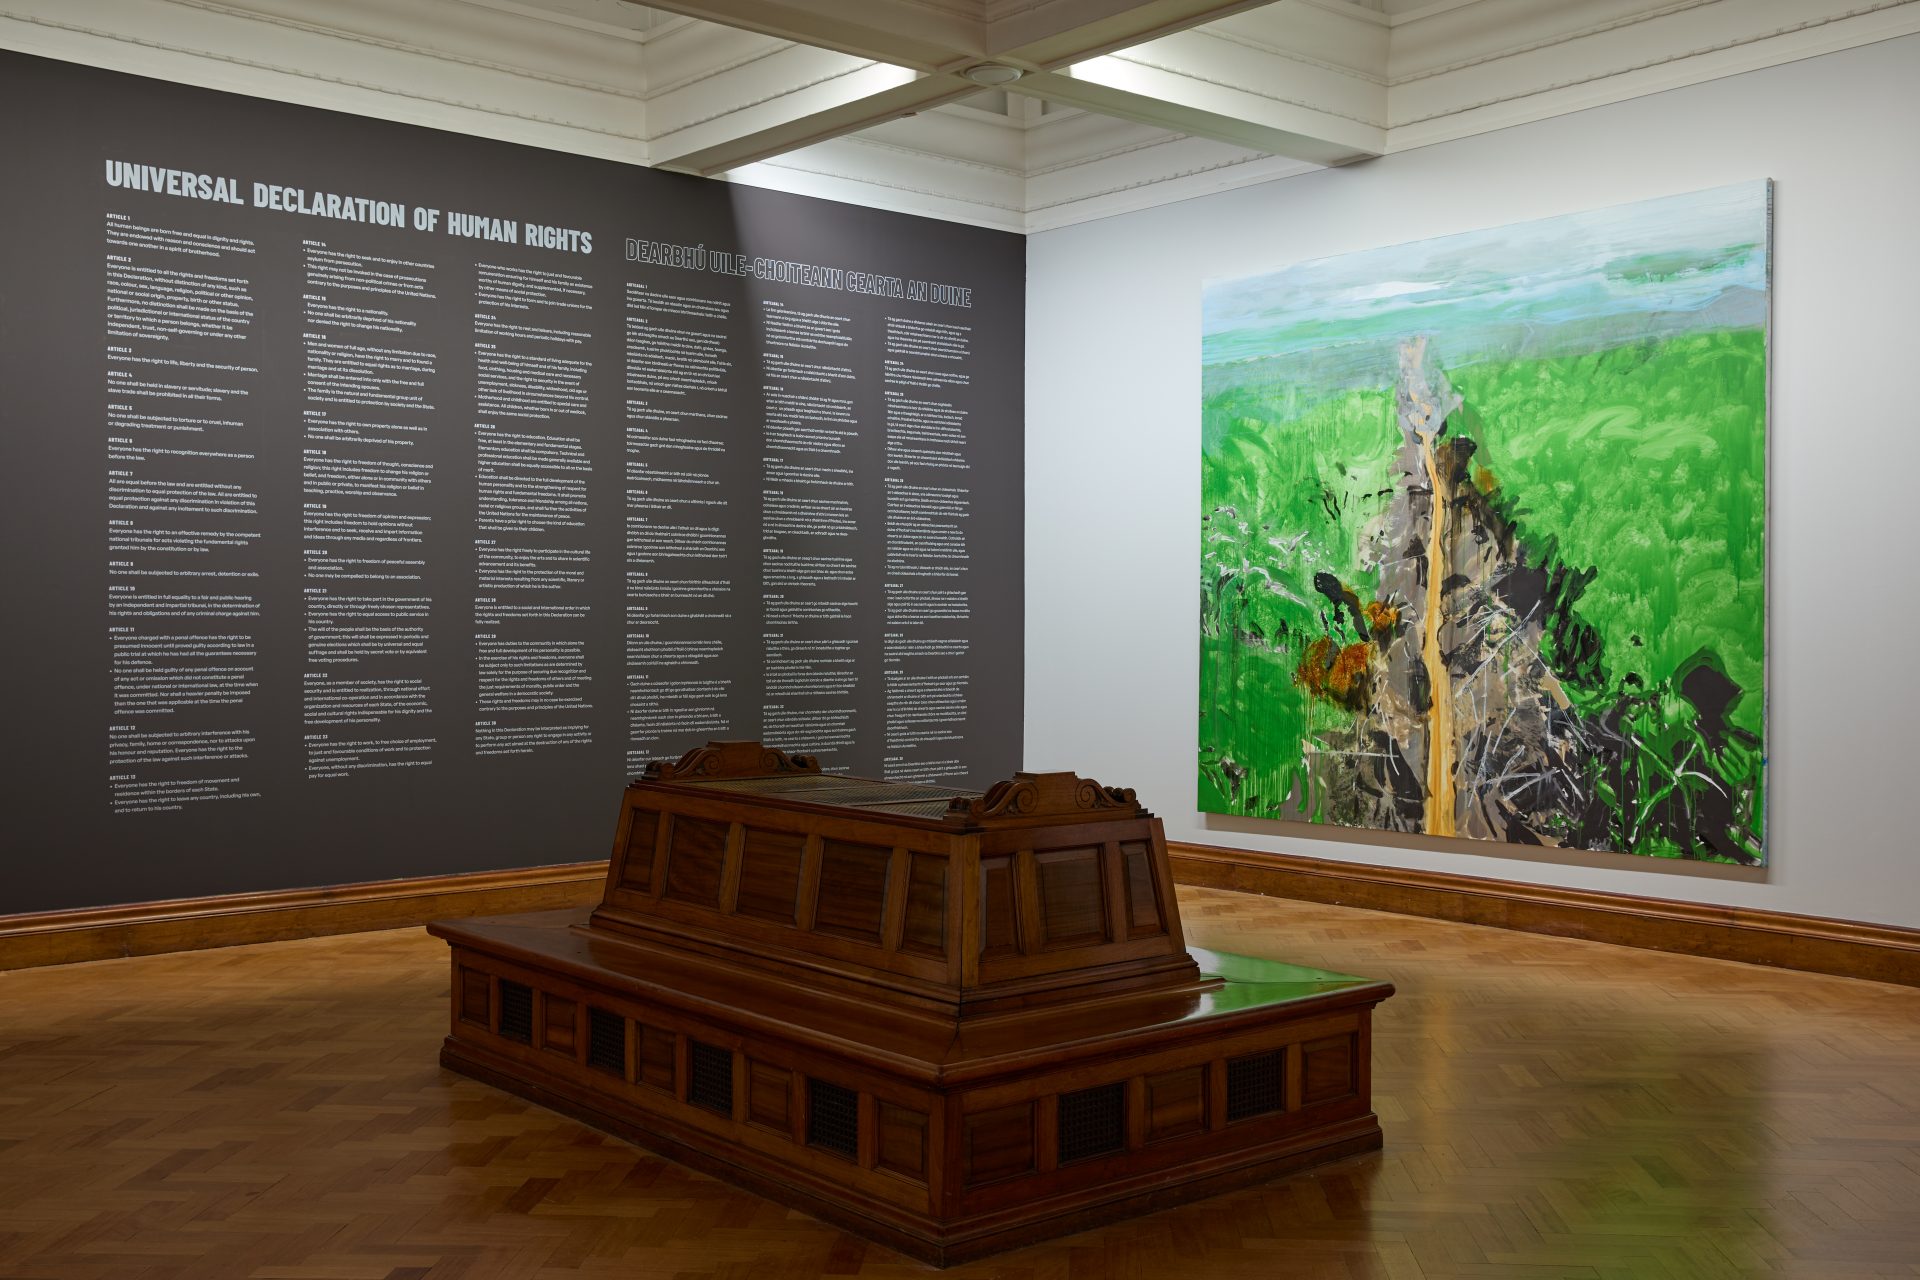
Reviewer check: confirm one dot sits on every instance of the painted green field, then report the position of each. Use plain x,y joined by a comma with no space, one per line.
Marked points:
1642,464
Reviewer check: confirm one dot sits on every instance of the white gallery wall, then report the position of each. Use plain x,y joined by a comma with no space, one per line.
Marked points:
1113,461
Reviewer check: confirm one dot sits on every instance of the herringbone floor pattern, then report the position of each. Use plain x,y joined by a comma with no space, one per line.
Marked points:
1552,1109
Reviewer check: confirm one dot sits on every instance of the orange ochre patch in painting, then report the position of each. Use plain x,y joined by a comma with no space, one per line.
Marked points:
1311,674
1349,674
1381,617
1336,674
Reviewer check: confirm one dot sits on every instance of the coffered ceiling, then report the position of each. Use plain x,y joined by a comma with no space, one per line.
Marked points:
1116,104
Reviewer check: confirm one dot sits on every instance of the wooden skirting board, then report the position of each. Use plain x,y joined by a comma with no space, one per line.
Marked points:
1881,953
190,924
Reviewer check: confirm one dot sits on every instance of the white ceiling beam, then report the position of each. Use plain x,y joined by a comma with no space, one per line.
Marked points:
926,35
857,97
1052,35
892,39
1116,86
947,35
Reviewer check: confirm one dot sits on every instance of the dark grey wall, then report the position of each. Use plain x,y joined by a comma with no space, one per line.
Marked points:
340,551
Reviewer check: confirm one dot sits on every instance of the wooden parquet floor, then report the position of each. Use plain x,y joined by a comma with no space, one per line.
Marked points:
1552,1109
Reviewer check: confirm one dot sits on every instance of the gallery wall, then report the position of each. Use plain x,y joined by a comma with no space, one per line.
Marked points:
1113,461
376,501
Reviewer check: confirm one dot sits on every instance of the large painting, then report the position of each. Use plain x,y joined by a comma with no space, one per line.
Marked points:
1483,534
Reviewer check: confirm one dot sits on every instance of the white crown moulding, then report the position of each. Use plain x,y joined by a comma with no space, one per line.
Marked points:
1555,56
228,47
1118,104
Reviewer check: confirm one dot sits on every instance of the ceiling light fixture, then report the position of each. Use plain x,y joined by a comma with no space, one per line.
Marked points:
993,74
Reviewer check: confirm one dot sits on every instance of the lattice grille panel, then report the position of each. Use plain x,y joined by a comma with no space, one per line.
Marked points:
516,1011
606,1041
912,809
833,1118
1093,1122
1254,1085
710,1077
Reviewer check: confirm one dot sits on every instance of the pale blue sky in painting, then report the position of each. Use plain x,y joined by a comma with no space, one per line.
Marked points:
1582,281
